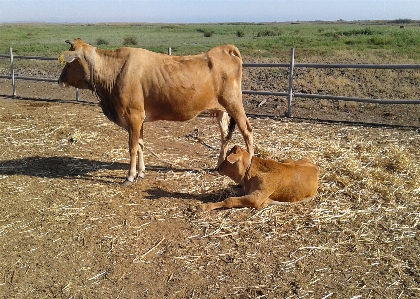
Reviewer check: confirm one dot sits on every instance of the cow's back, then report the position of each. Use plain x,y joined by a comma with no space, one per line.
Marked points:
178,88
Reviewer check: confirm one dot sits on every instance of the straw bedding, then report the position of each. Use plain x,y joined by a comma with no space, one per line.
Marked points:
69,230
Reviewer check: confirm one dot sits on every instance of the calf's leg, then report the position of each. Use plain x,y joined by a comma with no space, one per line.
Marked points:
253,200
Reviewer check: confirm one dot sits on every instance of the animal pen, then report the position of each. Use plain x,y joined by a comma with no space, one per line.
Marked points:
68,230
291,66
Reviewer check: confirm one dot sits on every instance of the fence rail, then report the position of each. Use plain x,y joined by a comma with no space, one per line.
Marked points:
28,78
289,94
336,66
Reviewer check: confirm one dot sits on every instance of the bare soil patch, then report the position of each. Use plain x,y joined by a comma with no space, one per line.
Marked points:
69,230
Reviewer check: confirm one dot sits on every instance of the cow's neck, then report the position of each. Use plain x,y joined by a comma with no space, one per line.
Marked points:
92,72
102,73
248,167
247,163
247,175
104,67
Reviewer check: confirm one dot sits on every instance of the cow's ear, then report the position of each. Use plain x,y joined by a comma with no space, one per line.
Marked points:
233,158
67,56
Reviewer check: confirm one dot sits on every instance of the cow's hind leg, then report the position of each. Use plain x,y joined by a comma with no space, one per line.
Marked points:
140,166
245,128
233,104
226,125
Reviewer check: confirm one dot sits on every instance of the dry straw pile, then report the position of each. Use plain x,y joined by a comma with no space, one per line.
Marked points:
69,230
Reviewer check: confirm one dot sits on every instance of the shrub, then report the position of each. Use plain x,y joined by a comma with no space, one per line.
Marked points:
380,41
352,41
240,33
130,41
101,41
268,33
402,21
351,32
170,26
208,33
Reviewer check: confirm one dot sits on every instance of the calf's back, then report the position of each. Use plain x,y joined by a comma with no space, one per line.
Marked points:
290,180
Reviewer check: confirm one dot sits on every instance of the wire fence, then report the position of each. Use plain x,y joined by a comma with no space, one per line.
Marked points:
291,66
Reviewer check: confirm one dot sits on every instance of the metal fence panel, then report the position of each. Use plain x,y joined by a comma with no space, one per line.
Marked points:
289,94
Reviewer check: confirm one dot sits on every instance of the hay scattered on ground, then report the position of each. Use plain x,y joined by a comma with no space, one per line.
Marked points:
69,230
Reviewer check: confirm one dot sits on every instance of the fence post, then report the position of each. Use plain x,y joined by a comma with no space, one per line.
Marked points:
289,100
77,94
12,73
169,51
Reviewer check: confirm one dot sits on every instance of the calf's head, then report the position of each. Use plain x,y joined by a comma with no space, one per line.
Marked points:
235,164
77,71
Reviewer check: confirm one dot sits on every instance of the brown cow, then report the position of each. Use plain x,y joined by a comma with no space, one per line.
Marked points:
266,181
135,86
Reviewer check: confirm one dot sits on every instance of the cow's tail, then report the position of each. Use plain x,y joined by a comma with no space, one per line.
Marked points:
231,128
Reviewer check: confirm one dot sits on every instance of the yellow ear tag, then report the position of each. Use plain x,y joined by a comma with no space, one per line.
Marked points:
61,59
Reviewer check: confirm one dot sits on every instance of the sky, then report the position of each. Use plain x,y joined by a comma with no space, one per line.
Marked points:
204,11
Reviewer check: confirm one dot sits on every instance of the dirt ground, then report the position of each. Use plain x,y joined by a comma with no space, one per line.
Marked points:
68,229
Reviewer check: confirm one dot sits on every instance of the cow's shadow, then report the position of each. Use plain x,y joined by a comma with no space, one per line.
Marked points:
63,167
69,168
213,196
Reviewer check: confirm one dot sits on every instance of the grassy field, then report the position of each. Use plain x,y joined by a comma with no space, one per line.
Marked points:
315,42
384,39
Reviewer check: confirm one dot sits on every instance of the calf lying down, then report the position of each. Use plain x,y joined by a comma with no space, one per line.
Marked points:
266,182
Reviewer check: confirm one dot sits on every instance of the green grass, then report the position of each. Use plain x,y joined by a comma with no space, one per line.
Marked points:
254,40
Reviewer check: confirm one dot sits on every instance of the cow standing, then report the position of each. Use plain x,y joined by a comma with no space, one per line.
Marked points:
136,86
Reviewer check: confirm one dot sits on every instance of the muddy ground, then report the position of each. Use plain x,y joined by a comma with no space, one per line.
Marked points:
68,229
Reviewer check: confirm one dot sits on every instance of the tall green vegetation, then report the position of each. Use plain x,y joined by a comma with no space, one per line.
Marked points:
130,41
253,39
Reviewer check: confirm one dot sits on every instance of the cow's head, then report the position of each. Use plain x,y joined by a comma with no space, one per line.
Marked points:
78,60
235,164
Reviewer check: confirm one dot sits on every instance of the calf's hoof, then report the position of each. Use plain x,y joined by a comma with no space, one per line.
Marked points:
207,207
202,207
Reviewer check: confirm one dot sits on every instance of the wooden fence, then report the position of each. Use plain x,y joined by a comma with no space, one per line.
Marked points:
289,94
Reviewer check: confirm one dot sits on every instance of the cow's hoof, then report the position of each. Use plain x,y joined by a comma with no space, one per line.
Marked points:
127,183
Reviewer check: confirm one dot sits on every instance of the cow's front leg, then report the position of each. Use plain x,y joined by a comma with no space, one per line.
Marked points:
134,149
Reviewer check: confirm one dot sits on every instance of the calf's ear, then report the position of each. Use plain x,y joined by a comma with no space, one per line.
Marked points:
233,158
67,56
